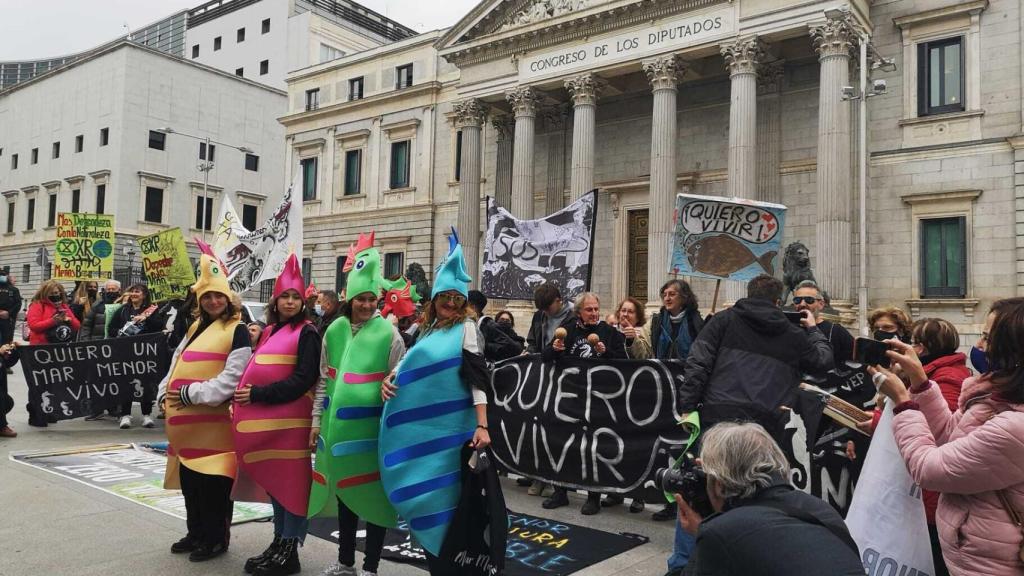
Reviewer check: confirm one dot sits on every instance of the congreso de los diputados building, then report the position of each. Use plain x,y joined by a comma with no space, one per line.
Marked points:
536,102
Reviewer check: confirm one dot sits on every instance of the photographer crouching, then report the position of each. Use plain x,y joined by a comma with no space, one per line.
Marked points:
756,522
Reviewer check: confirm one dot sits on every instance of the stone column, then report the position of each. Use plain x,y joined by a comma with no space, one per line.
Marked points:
664,73
769,132
503,173
584,89
524,107
557,123
469,117
833,251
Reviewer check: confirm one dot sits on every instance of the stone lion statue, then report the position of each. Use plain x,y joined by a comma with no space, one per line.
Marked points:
796,267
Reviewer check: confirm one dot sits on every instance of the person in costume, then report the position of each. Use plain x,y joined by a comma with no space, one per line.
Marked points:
271,416
360,348
434,404
205,370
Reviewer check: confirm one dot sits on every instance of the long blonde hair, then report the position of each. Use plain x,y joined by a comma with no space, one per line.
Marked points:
44,291
82,292
429,316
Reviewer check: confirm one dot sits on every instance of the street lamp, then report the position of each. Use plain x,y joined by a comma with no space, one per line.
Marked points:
204,166
130,252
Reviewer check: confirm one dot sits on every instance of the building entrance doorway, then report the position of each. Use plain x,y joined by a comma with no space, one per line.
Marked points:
637,254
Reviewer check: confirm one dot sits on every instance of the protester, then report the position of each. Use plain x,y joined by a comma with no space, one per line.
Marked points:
134,312
761,525
83,297
361,342
8,358
327,309
204,373
552,313
630,320
890,322
972,456
499,344
274,396
808,296
49,318
580,342
94,325
312,296
10,305
255,328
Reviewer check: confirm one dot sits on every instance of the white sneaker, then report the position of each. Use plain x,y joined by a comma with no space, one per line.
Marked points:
147,422
126,422
367,573
337,569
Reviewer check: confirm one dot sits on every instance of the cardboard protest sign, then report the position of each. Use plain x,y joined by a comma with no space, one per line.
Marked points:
166,265
604,425
76,379
85,247
726,238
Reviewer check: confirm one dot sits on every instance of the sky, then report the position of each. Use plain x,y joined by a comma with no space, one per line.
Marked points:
37,29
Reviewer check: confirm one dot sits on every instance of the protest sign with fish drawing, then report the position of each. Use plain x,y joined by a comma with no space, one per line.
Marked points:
726,238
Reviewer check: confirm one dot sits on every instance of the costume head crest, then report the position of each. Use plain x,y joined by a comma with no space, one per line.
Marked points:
400,298
290,278
451,273
212,277
362,267
312,292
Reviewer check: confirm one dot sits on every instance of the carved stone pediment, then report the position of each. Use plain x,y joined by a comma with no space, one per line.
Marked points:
533,11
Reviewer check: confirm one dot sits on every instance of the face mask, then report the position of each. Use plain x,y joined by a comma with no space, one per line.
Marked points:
880,335
92,294
505,322
318,309
55,298
980,360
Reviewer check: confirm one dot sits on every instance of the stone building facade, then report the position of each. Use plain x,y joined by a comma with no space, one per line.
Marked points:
537,101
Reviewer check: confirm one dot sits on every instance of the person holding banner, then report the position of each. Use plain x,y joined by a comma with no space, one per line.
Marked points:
972,456
137,316
204,373
271,416
49,318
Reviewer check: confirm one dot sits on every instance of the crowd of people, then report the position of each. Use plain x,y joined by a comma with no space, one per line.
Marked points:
265,396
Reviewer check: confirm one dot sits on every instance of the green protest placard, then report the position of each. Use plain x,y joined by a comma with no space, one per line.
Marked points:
166,264
85,247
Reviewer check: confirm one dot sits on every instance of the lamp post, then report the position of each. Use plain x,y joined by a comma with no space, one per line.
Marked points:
130,252
204,166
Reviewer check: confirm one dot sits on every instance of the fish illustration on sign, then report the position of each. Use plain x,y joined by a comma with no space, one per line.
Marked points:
722,255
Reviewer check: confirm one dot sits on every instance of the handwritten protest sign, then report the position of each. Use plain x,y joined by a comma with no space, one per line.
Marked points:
726,238
85,247
166,264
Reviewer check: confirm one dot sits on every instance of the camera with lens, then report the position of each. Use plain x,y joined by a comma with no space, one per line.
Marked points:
689,481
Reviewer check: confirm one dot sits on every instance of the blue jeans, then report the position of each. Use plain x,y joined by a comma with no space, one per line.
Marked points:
682,549
287,525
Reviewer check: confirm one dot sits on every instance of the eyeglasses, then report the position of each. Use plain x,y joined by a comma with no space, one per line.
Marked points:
804,299
457,299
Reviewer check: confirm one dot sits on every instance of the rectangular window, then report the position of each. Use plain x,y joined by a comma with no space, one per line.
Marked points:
252,162
943,257
400,164
393,264
79,143
264,67
339,274
202,151
249,216
30,217
56,150
403,76
308,179
26,269
328,53
10,217
157,139
204,215
940,77
312,99
216,43
14,161
76,200
240,72
265,26
353,165
307,270
355,89
35,156
195,50
458,156
104,136
101,198
240,35
51,211
154,211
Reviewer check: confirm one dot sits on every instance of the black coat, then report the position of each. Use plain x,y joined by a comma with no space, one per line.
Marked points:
10,302
747,362
694,324
576,342
155,323
757,538
533,337
500,341
95,322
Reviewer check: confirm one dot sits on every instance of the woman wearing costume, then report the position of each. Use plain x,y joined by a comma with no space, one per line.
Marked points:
271,416
435,404
360,348
204,372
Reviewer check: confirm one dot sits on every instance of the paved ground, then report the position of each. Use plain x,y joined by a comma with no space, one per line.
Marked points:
53,525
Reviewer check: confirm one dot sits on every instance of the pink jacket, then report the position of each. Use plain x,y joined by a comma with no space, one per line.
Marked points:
966,456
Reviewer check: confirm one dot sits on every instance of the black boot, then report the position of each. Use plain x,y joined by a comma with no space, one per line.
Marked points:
251,563
284,562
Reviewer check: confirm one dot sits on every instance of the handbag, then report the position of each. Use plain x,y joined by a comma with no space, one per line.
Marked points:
1014,517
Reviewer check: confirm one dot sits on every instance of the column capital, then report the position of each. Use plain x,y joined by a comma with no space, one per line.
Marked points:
469,113
835,37
769,76
524,100
555,117
503,124
743,56
664,72
584,89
